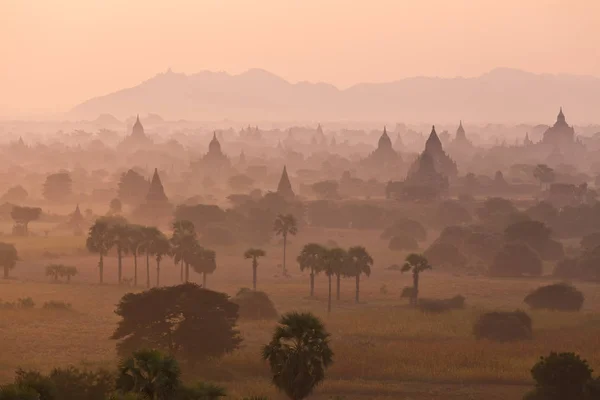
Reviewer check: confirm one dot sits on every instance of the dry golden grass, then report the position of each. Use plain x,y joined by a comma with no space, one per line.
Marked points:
383,349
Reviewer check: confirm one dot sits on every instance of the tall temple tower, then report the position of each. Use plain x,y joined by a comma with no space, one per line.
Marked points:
284,188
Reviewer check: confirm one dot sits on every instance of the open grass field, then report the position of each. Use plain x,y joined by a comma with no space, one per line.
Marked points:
383,349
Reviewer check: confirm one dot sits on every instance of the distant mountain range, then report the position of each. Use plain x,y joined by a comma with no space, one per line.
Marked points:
502,95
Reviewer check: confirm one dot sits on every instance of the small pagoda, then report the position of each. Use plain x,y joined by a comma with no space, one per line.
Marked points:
284,188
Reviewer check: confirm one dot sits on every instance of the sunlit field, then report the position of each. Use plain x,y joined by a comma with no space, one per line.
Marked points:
383,349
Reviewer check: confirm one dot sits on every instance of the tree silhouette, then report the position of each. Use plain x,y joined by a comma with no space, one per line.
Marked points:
150,236
311,258
285,225
186,321
333,261
115,207
58,187
8,257
254,254
416,263
544,174
150,373
23,216
135,243
298,354
183,244
204,262
359,262
133,187
161,247
99,241
119,233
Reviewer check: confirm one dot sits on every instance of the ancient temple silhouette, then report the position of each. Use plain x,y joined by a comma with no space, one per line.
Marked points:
156,192
560,134
527,141
442,163
76,221
284,188
138,136
461,140
425,174
156,205
384,155
215,162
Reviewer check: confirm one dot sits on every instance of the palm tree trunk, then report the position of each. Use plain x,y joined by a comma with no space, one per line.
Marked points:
284,248
187,272
181,271
120,265
254,276
415,288
147,269
204,280
338,279
101,268
157,273
312,282
357,287
329,299
135,276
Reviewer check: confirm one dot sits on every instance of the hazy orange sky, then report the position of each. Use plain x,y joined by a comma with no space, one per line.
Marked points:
56,53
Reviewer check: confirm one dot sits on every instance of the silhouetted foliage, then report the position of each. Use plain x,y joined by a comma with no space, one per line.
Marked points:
133,188
283,226
415,263
254,254
436,306
22,217
169,319
326,190
559,296
516,259
8,257
503,326
298,354
537,235
407,227
254,305
58,187
403,242
452,213
561,376
445,254
149,373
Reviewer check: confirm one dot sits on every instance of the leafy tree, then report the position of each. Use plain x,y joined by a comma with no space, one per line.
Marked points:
405,227
451,213
161,247
254,254
442,253
327,190
15,194
559,296
58,187
359,262
35,380
100,241
115,207
170,319
311,258
334,261
201,391
537,235
133,187
516,259
285,225
74,384
203,261
298,354
150,236
8,257
544,174
415,263
23,216
134,242
54,270
403,242
561,376
16,392
119,233
183,244
152,374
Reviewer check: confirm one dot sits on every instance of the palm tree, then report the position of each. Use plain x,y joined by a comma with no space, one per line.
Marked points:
149,234
100,241
298,354
333,261
183,244
285,225
203,261
416,263
254,254
311,258
161,247
135,241
120,231
359,262
149,373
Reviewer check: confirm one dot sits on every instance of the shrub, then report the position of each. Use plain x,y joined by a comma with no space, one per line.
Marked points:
561,376
73,384
26,303
403,242
254,305
56,305
441,305
445,254
503,326
567,268
17,392
408,292
406,227
516,259
559,296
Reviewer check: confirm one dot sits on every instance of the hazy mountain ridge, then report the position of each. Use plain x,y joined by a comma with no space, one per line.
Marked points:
502,95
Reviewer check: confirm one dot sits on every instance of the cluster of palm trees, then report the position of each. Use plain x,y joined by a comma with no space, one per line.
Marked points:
335,262
115,233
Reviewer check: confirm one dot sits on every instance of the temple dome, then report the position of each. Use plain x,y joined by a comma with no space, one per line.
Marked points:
214,145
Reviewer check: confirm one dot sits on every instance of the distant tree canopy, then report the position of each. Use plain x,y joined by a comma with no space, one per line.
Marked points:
15,194
133,188
516,259
58,187
23,216
8,257
558,296
403,242
186,321
327,190
445,254
451,213
537,235
405,227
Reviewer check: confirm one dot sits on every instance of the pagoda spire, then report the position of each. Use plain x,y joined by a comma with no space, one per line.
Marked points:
156,192
284,188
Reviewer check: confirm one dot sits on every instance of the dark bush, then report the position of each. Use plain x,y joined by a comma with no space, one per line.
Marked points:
74,384
403,242
559,296
408,292
451,213
503,326
408,227
562,376
56,305
254,305
567,268
516,259
435,306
